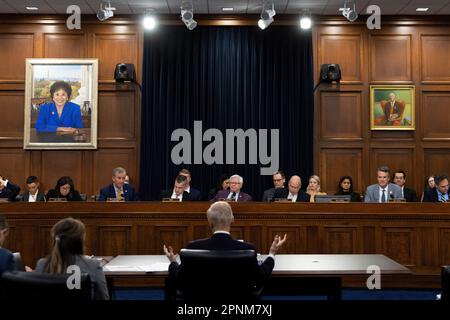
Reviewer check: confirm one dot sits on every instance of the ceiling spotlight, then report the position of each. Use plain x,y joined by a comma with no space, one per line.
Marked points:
349,10
149,21
267,14
305,20
105,12
187,15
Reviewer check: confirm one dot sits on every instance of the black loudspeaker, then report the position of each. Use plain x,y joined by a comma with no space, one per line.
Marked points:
124,72
330,73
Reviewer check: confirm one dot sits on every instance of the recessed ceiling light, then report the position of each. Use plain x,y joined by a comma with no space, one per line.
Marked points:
227,9
422,9
32,8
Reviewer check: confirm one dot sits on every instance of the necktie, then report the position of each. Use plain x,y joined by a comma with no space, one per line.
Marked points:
233,196
119,195
443,198
383,196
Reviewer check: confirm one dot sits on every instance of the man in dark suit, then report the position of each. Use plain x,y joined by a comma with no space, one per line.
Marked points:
440,192
292,192
6,257
278,179
178,192
8,190
408,194
220,217
118,189
33,194
235,193
194,194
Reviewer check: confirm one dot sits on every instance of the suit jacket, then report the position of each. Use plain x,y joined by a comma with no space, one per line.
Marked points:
11,191
223,241
6,261
410,195
129,194
373,192
223,194
194,194
283,193
431,195
25,196
168,194
91,267
268,195
49,121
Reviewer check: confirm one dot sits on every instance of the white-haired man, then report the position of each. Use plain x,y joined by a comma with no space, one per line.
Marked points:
235,193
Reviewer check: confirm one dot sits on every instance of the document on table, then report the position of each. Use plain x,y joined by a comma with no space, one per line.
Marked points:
154,267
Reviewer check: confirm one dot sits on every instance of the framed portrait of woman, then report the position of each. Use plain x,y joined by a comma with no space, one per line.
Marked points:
60,104
392,107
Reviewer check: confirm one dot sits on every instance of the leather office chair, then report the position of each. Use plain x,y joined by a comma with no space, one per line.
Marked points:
445,283
18,261
217,276
19,285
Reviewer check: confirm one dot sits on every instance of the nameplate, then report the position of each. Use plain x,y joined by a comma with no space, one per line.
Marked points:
57,199
114,200
4,200
397,200
170,200
281,200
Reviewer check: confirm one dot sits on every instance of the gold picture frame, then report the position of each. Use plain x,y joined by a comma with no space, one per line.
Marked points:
392,107
72,126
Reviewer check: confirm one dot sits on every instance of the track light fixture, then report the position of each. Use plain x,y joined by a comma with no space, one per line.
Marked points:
187,15
267,14
349,10
106,11
305,20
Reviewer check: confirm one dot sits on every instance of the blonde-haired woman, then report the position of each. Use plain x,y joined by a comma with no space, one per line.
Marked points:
313,188
68,249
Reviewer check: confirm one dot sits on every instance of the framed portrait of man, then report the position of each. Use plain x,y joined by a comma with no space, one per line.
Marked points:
392,107
60,104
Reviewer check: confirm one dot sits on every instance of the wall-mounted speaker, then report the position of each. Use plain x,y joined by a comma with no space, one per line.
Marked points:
330,73
124,72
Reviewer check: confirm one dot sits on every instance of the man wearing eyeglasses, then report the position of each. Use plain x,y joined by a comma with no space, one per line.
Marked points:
234,194
440,192
278,179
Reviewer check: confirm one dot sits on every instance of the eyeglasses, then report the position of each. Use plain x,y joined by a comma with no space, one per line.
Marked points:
234,183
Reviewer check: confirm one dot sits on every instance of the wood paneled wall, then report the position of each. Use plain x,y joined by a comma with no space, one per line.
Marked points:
413,52
118,104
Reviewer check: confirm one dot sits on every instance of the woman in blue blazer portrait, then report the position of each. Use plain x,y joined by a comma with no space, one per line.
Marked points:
59,116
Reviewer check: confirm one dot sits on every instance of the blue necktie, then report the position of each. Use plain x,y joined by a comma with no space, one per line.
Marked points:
233,196
383,196
443,198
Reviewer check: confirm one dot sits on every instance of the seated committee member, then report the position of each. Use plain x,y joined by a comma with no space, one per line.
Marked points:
235,193
278,179
408,194
68,249
179,190
222,184
64,189
6,257
220,217
429,184
118,189
292,192
313,188
440,192
194,194
33,194
383,190
8,190
345,187
60,115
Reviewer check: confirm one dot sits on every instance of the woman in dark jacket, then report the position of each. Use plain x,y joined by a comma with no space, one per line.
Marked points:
345,187
64,189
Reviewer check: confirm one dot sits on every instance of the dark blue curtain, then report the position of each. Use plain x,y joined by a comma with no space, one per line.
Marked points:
228,78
